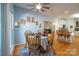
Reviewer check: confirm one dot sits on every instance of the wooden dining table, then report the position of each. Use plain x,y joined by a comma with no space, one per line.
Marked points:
64,35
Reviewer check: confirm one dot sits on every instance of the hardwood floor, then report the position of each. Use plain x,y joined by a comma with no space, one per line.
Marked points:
60,48
17,49
65,49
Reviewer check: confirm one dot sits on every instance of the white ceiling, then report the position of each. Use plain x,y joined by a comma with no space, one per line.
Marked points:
56,9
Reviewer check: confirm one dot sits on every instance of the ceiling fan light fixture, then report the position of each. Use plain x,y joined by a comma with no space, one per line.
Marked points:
38,6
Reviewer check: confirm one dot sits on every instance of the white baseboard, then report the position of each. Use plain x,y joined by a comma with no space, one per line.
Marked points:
13,46
12,49
19,44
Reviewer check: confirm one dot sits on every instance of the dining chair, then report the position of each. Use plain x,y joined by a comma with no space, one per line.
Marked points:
27,36
50,38
31,41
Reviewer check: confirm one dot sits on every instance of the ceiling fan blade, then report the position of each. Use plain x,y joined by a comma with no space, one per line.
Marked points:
42,10
45,7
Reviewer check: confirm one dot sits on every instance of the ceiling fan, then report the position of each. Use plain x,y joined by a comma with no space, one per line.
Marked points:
39,6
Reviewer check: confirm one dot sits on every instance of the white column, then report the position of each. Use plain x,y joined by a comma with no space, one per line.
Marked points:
6,40
0,29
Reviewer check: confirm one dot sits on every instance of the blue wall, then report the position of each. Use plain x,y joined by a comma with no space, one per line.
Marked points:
20,13
0,28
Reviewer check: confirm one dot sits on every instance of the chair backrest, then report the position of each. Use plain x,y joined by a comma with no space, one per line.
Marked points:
51,37
40,32
27,33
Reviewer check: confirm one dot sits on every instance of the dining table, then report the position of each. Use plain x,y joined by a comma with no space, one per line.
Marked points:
64,36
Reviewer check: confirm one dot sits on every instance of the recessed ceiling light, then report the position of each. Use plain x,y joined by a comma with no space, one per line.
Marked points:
66,12
59,16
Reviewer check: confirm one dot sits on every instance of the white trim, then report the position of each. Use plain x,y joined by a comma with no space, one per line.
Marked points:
12,49
19,44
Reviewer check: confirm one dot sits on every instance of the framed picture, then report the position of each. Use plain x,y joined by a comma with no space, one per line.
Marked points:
28,19
76,20
17,23
46,24
77,23
33,20
37,23
22,21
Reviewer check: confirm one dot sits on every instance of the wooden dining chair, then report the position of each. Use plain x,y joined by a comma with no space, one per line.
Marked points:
27,36
31,41
50,38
